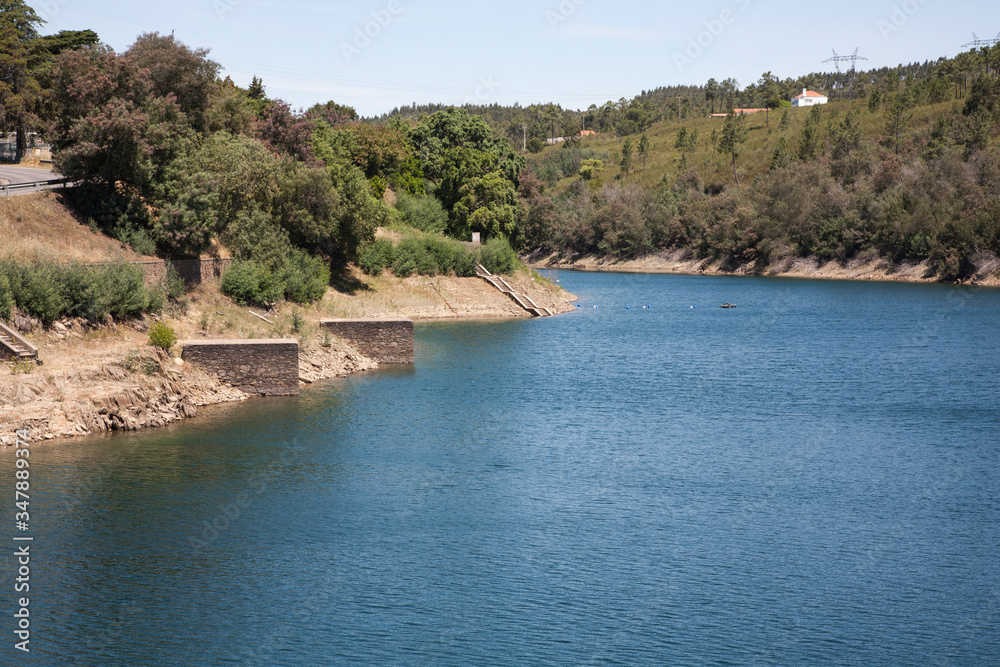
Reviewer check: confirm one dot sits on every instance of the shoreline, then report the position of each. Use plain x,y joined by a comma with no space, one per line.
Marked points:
675,263
101,379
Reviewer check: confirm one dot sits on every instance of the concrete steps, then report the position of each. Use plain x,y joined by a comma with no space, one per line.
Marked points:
522,300
14,346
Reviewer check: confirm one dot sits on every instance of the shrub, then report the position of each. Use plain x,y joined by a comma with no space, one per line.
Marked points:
498,257
371,261
428,255
423,261
425,213
37,290
465,263
6,299
173,284
162,335
124,288
49,291
138,239
404,264
443,251
306,278
247,282
377,257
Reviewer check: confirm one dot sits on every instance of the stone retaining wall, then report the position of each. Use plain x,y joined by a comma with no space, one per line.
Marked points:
265,367
387,341
192,271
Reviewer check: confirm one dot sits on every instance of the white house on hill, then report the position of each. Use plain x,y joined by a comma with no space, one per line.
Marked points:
809,98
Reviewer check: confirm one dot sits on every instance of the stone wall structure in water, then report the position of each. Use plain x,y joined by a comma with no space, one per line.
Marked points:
265,367
387,341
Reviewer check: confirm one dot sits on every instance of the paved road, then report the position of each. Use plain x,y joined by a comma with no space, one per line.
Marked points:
17,175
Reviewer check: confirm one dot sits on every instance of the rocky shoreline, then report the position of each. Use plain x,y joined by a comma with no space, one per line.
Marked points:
104,378
147,389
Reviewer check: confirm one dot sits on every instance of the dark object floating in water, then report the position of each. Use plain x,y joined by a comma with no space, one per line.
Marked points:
729,305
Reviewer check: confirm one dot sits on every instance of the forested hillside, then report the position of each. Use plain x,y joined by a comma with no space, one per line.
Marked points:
176,160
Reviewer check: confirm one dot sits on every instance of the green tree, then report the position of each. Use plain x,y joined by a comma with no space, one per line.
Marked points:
846,141
20,52
256,90
729,88
874,101
808,142
644,150
768,88
66,40
681,141
332,114
782,156
463,157
711,92
786,120
626,160
590,169
435,135
734,133
189,221
897,120
174,69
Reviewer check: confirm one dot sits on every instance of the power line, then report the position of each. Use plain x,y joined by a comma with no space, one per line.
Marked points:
853,59
979,43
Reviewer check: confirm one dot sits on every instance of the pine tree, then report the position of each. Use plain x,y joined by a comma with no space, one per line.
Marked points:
897,119
786,121
734,133
256,89
20,52
626,162
644,150
711,91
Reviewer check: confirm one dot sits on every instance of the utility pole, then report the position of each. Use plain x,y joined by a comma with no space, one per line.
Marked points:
525,147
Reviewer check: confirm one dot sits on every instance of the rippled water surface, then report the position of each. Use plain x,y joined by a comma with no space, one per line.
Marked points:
813,477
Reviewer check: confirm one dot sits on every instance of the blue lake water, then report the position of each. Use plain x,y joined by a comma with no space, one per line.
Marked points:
811,478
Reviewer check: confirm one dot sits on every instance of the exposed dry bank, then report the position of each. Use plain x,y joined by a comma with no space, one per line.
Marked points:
987,272
107,378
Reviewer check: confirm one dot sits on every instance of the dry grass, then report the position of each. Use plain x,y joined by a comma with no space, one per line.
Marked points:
40,228
211,315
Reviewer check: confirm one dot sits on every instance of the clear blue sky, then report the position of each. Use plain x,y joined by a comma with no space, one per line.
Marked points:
574,52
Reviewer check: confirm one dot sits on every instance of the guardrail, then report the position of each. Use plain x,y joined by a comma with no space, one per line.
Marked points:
65,182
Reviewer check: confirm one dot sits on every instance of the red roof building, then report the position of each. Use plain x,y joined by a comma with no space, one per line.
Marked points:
809,98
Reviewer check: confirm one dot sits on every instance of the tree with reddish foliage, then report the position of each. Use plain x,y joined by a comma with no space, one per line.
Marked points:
286,133
100,135
174,69
332,114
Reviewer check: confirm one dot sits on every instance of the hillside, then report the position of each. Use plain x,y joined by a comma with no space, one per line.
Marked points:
764,132
40,228
896,179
